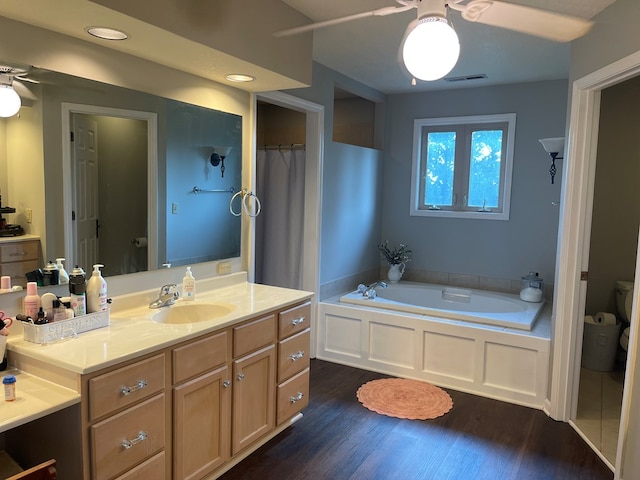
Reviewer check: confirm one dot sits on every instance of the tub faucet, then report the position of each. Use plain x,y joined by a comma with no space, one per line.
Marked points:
167,296
370,291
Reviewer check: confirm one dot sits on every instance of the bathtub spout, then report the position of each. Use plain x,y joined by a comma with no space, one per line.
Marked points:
370,291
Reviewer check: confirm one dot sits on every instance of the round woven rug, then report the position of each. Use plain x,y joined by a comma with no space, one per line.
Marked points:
404,398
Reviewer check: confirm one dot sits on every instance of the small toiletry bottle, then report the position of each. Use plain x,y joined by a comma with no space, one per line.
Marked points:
41,318
66,303
188,286
50,273
9,382
59,311
5,283
46,302
32,300
96,291
62,273
78,289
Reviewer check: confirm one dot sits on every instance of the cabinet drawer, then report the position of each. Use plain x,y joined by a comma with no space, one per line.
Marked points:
125,386
254,335
293,396
293,355
200,356
294,320
143,426
18,251
153,468
17,271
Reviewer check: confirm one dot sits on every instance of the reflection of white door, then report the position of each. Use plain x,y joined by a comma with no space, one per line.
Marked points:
85,195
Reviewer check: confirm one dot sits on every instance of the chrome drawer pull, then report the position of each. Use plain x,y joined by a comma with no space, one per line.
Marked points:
127,444
297,321
240,376
226,384
124,390
297,356
297,398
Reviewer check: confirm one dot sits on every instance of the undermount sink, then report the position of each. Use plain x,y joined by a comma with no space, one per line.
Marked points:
191,312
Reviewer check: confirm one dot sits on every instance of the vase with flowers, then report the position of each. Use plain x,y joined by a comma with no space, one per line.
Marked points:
396,257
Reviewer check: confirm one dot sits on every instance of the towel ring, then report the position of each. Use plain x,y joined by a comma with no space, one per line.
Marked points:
244,194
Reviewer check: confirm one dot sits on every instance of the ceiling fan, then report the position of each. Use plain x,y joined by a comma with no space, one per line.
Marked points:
430,47
12,89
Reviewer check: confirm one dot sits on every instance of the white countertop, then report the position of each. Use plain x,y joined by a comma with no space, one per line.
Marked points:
35,398
132,333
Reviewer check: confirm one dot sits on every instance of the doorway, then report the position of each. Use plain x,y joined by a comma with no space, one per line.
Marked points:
612,253
573,257
313,147
100,145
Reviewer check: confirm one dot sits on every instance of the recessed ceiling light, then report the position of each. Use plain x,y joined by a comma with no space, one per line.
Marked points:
240,77
107,33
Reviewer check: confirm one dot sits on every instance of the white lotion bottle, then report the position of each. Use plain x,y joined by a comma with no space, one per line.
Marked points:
63,276
188,286
96,291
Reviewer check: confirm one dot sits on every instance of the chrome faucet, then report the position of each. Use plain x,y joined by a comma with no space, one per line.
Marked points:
167,296
370,291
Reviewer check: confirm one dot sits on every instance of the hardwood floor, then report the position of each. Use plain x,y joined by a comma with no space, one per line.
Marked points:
478,439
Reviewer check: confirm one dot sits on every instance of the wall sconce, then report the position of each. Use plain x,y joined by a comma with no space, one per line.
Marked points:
9,100
554,147
218,156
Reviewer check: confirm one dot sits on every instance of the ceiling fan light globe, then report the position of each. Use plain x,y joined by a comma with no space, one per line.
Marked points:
431,49
9,101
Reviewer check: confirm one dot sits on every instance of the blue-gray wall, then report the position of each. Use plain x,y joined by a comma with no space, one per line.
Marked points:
500,250
351,193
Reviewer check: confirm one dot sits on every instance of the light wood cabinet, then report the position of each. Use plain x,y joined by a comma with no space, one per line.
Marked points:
185,411
294,335
17,257
202,410
253,397
202,406
126,419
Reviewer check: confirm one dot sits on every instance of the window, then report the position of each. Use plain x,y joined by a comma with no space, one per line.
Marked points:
462,166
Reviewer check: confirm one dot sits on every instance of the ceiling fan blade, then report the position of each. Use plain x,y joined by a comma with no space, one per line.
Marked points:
380,12
23,78
540,23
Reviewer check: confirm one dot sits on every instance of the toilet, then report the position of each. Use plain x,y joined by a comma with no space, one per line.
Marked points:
624,301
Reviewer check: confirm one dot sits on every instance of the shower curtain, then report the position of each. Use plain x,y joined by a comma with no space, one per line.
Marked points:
279,227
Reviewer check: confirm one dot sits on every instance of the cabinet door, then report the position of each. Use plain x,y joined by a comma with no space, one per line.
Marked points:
254,378
202,411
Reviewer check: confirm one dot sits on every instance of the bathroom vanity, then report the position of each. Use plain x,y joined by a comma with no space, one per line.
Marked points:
164,396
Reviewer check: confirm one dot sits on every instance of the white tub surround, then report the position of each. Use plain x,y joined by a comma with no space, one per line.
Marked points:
496,362
477,306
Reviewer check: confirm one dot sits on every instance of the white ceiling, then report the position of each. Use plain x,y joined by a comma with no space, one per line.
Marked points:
367,49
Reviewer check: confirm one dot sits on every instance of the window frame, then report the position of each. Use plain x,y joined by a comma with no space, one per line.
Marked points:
462,157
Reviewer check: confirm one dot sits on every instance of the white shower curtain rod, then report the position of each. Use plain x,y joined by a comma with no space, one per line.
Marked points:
292,146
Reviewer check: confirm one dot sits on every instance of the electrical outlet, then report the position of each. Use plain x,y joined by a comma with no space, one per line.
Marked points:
174,208
224,268
29,213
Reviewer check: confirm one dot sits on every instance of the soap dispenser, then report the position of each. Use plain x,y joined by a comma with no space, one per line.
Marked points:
63,276
188,286
96,291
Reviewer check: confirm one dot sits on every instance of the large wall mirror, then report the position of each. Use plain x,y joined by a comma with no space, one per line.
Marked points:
121,169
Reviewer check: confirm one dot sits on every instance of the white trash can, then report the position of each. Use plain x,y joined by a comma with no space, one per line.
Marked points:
599,346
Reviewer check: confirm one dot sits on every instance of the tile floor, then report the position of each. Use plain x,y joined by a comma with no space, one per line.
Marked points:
599,406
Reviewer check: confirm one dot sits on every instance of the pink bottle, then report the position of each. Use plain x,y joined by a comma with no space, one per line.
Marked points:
32,300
